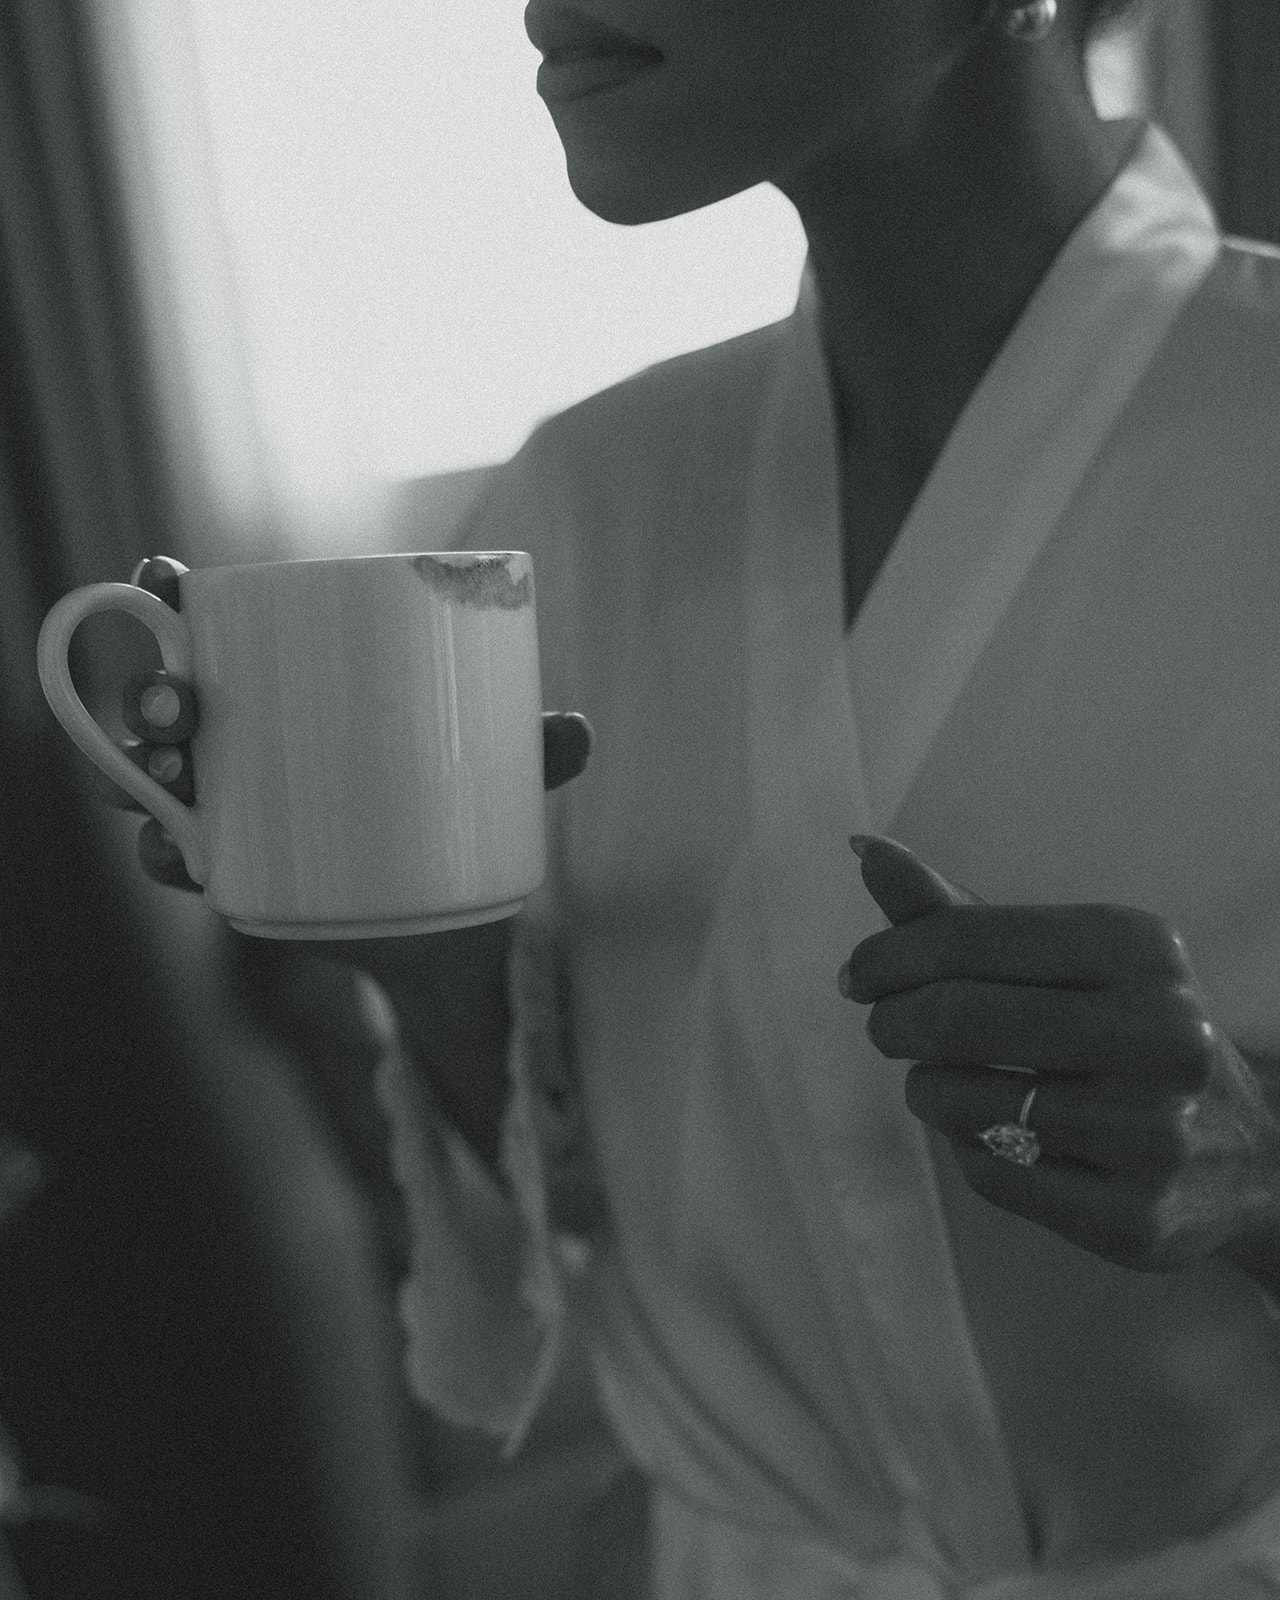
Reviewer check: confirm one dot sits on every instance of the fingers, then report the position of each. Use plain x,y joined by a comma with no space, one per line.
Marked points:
162,712
566,745
1054,1030
900,883
159,575
1086,1208
161,859
1077,946
1090,1125
159,707
169,765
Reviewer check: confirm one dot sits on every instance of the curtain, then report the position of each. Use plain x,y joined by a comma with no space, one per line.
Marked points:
1176,39
1245,45
157,1437
190,318
1213,81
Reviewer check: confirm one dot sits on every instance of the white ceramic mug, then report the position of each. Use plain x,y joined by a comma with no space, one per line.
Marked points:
368,757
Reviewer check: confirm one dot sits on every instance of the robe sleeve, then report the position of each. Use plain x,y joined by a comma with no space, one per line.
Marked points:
492,1274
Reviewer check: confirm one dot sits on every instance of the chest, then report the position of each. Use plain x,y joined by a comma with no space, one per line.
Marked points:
874,505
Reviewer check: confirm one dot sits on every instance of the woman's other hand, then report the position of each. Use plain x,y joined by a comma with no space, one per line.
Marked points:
1160,1142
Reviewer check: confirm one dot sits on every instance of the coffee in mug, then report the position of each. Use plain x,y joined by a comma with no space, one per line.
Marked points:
368,755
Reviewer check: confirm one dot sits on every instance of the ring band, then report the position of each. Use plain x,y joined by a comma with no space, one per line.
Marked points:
1015,1141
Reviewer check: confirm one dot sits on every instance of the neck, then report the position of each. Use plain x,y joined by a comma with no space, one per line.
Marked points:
930,229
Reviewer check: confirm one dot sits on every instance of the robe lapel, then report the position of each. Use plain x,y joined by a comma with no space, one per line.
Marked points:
859,1164
1017,456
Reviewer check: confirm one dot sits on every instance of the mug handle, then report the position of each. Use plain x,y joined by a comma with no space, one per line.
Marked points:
182,822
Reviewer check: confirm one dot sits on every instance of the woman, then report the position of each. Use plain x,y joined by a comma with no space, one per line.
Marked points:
977,549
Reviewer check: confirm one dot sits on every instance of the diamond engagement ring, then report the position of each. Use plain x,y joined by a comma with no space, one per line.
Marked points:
1014,1141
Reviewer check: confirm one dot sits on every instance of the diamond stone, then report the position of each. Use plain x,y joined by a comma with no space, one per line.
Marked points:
1013,1142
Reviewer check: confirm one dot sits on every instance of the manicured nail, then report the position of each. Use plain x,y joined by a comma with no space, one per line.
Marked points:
160,705
858,842
165,763
155,704
844,981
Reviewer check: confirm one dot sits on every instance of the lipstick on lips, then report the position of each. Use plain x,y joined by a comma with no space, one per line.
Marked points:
582,56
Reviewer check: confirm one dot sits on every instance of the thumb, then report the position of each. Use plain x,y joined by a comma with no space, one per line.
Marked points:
900,883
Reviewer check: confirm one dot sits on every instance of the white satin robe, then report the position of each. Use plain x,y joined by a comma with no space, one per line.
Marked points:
1064,685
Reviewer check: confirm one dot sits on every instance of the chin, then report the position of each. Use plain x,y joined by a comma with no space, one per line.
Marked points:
630,198
627,207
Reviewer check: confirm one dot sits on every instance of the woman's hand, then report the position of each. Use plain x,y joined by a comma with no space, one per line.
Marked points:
161,711
448,989
1160,1147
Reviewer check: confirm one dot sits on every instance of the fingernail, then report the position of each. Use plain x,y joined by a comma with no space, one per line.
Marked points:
858,842
165,764
160,705
844,981
159,576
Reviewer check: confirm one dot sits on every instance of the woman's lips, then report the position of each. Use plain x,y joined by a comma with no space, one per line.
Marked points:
576,77
581,55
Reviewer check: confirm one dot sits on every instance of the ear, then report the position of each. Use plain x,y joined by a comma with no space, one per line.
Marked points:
900,883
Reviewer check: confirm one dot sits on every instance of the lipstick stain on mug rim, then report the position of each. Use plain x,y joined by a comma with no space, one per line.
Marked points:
480,581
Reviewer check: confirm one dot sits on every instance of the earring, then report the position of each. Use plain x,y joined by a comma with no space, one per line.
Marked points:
1031,22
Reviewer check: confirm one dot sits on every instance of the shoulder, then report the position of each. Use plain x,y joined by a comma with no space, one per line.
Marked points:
645,476
1224,348
1191,472
1208,408
698,405
673,440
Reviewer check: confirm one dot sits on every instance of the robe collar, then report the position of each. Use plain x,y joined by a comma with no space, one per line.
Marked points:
1004,480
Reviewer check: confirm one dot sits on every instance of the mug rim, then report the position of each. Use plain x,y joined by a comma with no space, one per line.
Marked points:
334,561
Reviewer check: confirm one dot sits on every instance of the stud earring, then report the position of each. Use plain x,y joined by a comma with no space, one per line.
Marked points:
1031,22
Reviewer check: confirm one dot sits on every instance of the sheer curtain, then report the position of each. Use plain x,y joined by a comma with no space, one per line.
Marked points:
368,267
228,486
